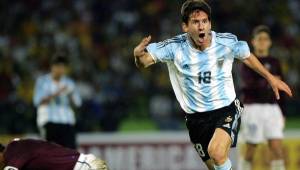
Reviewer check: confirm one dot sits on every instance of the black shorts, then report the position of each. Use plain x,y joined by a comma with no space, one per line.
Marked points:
202,126
62,134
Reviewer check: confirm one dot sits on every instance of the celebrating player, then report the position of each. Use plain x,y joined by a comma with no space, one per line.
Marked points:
262,118
29,154
54,95
200,64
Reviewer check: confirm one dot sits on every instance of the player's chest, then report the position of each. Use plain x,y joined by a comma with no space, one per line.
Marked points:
268,65
195,61
52,86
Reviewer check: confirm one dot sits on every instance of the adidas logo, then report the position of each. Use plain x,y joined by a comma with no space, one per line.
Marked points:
186,66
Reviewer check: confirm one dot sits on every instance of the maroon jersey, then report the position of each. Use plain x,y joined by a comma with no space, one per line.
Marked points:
39,155
255,88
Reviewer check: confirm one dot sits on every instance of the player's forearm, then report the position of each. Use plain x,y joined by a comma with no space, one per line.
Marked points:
255,65
47,99
144,61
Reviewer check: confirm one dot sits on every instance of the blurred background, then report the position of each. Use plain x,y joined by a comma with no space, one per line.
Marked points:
99,37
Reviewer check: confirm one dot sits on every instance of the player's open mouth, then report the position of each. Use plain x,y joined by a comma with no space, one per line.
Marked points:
201,35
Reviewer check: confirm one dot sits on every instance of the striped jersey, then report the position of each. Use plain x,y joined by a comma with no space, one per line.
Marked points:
58,110
202,80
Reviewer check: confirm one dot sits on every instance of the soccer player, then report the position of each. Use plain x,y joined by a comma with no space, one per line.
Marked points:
29,154
54,96
200,63
262,119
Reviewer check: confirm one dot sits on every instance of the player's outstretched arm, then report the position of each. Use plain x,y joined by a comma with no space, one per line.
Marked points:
276,84
143,58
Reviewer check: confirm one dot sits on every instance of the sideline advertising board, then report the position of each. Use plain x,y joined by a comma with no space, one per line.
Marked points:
144,151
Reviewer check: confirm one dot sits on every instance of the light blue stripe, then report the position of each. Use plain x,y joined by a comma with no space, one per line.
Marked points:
188,83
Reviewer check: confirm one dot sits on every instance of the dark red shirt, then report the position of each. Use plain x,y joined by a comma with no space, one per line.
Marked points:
255,88
39,155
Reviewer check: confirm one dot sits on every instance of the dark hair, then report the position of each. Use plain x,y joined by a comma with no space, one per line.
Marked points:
190,6
2,147
261,28
59,58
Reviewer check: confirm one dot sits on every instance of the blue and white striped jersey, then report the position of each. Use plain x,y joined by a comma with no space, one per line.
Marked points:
58,110
202,80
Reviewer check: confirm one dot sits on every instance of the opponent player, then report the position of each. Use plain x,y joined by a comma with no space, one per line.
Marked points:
31,154
200,63
262,119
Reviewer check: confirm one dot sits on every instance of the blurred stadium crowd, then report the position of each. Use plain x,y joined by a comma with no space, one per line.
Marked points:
99,37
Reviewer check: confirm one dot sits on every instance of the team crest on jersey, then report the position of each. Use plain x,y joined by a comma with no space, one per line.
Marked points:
220,62
228,119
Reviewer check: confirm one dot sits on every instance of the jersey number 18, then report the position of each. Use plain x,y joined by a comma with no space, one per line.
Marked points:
204,77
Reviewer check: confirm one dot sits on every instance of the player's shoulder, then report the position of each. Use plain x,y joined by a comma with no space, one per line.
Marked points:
43,78
68,79
174,41
269,59
273,60
225,38
178,38
14,142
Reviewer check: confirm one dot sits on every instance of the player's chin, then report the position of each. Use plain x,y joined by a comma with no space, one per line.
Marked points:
200,41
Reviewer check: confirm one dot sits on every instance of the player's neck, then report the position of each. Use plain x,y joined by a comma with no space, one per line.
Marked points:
261,53
55,78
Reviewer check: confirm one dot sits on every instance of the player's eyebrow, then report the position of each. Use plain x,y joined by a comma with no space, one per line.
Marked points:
199,20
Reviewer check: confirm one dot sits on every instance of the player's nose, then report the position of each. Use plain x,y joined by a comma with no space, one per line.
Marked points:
201,27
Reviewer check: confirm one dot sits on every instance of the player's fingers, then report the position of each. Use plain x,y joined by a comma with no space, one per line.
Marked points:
148,39
287,90
145,41
139,49
141,46
276,93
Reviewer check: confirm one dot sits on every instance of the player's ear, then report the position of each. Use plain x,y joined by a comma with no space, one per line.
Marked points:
253,41
184,27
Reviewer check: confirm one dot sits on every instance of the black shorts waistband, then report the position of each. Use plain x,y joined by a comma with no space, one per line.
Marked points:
211,113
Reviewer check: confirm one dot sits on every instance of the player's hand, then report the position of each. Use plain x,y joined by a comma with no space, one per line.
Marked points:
139,50
60,91
278,85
